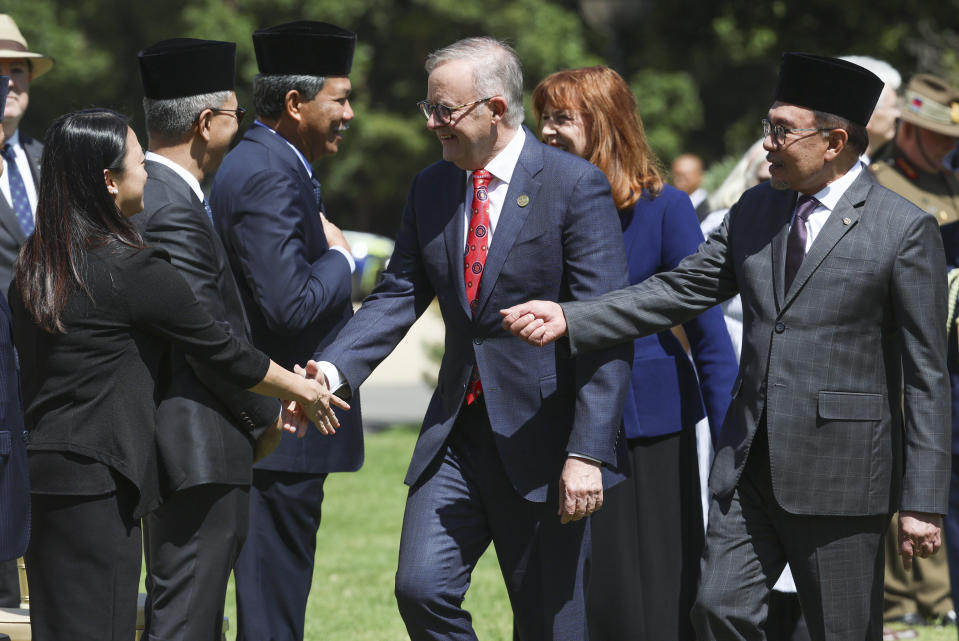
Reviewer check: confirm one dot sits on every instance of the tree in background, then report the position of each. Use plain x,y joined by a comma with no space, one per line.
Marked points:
703,72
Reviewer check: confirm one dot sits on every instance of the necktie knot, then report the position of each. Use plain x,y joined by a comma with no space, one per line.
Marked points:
481,178
7,152
805,206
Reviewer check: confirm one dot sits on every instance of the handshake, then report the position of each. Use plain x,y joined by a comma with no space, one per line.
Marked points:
311,402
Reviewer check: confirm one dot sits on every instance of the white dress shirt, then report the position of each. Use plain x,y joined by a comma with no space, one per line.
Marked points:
828,198
23,164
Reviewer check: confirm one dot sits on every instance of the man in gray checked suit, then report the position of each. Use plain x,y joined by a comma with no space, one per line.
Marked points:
840,414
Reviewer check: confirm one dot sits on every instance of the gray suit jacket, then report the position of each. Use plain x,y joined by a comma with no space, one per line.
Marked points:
830,361
11,234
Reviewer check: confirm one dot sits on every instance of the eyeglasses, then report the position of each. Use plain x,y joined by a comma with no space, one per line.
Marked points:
239,112
779,132
443,113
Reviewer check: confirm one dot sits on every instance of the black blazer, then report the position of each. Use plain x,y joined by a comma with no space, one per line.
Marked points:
11,234
92,390
205,429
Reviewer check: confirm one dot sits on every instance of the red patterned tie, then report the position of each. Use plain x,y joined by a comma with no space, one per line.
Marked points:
477,244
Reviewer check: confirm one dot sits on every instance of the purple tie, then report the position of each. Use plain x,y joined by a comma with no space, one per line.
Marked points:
796,243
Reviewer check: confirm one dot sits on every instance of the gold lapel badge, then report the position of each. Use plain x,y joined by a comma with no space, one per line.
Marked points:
522,200
847,221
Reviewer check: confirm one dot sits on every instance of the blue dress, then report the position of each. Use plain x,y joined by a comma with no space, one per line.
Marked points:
639,587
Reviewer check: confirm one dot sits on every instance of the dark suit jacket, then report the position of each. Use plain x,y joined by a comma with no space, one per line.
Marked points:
11,234
563,243
825,362
14,477
295,290
205,429
950,243
665,394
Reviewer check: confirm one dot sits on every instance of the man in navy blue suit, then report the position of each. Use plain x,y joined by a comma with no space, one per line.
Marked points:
292,267
513,443
14,480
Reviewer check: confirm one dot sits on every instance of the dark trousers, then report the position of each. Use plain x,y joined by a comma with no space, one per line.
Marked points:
647,543
837,563
9,584
464,502
951,527
83,567
191,543
274,571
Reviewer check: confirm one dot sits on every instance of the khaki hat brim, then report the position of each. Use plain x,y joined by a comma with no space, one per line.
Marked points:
40,63
925,123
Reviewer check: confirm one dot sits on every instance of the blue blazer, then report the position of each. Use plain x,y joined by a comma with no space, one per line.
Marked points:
665,394
295,290
14,476
557,238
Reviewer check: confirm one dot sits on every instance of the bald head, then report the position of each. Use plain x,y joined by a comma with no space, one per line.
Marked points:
687,172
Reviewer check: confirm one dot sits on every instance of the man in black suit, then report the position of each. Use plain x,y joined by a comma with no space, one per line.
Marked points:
21,153
205,432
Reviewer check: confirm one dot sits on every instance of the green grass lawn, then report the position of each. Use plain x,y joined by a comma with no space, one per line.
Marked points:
352,596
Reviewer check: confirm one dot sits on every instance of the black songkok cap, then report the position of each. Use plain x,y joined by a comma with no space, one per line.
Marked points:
831,85
304,48
4,88
187,67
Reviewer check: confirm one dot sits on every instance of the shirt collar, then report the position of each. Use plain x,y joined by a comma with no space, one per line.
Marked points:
503,164
299,154
14,140
187,177
829,195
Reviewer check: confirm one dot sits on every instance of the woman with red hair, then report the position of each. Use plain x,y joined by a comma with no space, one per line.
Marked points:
648,537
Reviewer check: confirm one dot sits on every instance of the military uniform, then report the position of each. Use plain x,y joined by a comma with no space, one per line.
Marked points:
930,104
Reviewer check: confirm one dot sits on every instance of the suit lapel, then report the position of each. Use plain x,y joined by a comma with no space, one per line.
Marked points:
453,199
512,217
842,219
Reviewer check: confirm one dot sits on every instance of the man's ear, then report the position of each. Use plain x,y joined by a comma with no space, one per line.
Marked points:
498,107
293,104
204,123
837,140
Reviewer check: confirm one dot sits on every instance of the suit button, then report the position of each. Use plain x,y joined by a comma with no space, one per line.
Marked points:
477,341
780,327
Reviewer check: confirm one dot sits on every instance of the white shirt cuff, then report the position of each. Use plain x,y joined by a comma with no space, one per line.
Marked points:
347,255
333,377
584,457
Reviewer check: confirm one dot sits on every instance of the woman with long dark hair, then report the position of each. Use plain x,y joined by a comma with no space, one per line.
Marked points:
95,313
648,537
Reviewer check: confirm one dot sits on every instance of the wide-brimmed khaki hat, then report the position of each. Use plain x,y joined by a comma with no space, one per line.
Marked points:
14,45
932,103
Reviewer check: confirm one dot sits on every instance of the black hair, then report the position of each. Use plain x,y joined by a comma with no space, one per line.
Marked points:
75,212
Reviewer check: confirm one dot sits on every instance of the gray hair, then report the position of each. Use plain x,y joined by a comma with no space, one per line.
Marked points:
883,69
269,91
172,118
496,71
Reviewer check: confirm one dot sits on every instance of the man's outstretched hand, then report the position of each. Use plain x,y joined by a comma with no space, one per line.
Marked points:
538,322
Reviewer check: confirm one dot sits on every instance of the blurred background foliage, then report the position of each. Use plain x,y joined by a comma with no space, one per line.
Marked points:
703,72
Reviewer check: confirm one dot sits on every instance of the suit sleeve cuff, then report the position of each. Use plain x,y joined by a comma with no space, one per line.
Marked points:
347,255
584,457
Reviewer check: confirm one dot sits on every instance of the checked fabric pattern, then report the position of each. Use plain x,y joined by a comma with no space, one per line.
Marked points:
18,191
477,246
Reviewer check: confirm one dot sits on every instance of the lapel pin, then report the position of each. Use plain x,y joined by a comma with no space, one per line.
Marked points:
847,221
523,200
